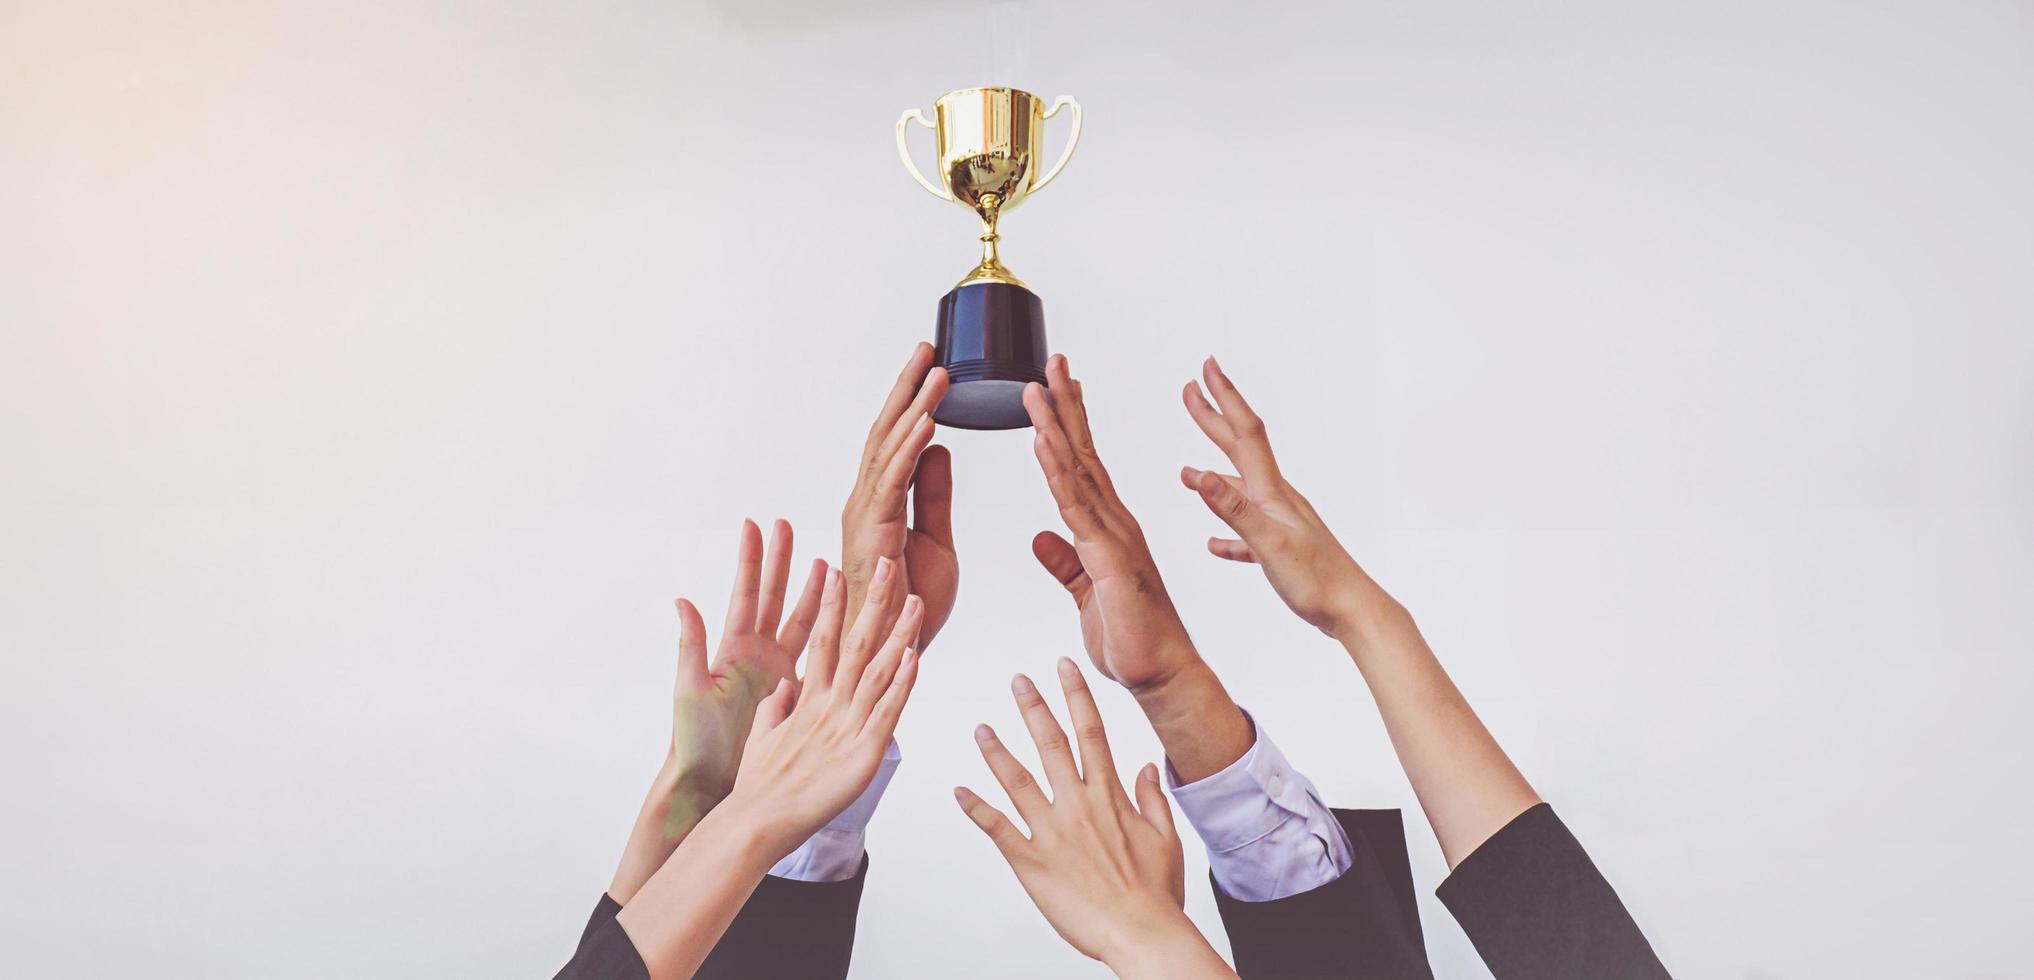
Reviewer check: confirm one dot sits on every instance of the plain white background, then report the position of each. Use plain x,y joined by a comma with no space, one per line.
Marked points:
373,375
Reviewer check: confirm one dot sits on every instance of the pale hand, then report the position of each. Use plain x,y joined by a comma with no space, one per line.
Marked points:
811,753
1109,875
712,707
1280,531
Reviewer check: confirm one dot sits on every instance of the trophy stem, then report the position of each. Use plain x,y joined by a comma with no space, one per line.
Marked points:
992,268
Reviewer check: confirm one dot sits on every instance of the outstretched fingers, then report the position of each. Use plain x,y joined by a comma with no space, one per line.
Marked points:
822,651
877,614
1017,782
903,461
776,577
1069,404
876,674
798,628
741,604
1054,755
992,822
907,385
1248,446
882,723
1078,504
1098,768
908,435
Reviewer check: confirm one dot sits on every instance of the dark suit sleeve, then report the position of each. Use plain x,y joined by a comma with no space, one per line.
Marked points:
803,929
1364,924
604,952
1536,907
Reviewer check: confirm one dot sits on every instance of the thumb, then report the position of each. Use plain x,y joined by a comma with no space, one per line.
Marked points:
771,711
1151,803
932,496
1060,559
1229,504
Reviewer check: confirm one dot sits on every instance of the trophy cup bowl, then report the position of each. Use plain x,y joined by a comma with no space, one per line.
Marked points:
990,335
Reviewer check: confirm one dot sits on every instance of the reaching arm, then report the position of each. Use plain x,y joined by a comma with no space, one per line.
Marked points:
1109,875
712,706
1128,623
1269,835
1465,783
806,758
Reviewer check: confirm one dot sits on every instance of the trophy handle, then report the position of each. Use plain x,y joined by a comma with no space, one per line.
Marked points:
904,154
1072,139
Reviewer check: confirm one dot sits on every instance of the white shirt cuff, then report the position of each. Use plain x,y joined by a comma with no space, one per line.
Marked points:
1269,835
835,852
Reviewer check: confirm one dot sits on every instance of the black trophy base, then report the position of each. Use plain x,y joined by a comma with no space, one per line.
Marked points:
991,341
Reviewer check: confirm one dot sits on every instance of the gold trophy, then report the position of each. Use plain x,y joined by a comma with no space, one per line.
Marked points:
991,331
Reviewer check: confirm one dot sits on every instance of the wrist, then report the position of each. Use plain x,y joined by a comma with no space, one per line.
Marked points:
1163,943
1199,724
1365,616
740,833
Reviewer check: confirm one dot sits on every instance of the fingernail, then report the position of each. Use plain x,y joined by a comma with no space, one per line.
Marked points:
960,795
1217,365
984,733
912,604
1022,685
1067,669
1149,773
882,569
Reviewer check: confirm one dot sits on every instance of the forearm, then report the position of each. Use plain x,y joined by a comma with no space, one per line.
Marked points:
1201,727
680,913
672,809
1467,786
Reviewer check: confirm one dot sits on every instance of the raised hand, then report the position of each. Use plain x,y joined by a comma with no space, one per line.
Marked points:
899,456
712,706
1109,875
811,752
1466,784
1279,529
1128,623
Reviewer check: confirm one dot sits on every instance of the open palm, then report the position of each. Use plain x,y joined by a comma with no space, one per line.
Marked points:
713,706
